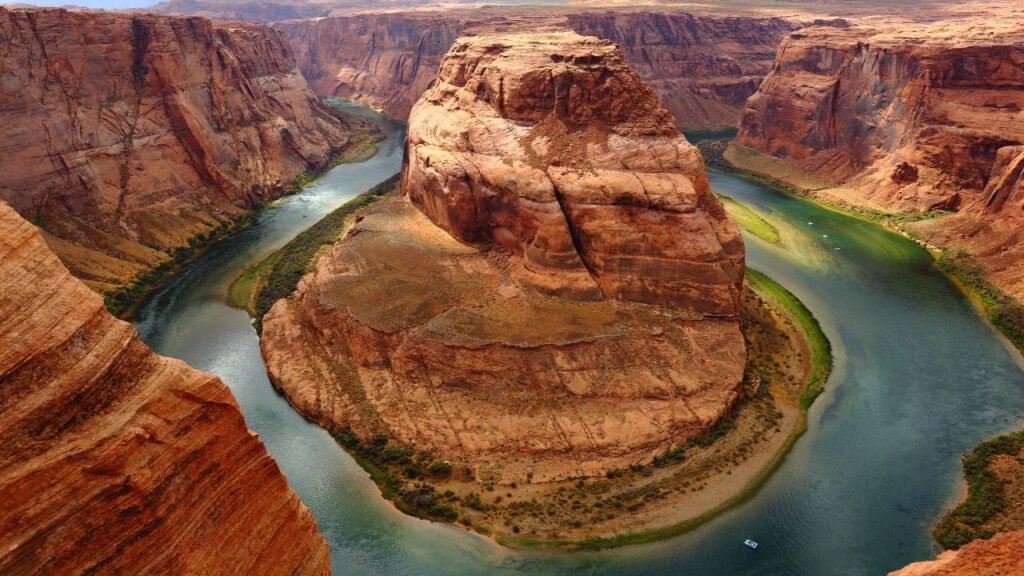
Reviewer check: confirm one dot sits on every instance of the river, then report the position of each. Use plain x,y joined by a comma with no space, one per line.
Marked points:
920,378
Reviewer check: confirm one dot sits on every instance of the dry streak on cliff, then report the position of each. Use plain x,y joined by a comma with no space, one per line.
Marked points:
589,319
115,460
124,136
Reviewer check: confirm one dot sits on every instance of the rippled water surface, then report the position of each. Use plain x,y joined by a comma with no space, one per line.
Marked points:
919,379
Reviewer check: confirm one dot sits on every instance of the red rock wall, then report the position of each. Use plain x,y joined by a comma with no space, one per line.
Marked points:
1000,556
703,68
905,120
124,136
114,460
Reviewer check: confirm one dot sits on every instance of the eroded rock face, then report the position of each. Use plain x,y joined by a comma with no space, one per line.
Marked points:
555,295
554,148
991,228
116,460
702,67
124,136
910,119
1000,556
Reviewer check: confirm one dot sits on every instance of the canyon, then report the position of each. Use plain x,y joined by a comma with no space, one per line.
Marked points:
514,313
130,139
116,460
702,67
912,119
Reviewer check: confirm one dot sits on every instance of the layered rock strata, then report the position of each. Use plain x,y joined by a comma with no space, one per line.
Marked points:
115,460
126,136
556,296
702,67
904,120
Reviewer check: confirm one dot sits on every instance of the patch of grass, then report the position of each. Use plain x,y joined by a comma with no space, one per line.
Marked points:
1004,311
381,457
985,494
277,275
821,348
751,221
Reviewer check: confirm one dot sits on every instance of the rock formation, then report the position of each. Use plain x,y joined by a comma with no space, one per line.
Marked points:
125,136
1000,556
115,460
702,67
556,296
904,120
921,118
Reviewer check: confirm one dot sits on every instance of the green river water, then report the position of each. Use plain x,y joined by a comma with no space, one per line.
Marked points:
920,378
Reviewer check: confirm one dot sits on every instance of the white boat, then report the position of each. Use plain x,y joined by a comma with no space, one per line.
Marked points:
750,544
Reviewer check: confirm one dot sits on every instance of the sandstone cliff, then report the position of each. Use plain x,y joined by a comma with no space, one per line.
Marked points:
126,136
921,118
702,67
1000,556
904,120
114,460
569,307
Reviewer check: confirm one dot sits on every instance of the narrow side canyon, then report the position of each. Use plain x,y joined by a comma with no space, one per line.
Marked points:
115,460
128,138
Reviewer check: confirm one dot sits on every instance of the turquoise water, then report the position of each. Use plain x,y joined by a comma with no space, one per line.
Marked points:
919,379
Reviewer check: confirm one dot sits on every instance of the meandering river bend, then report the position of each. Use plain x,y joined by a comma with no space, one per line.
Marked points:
920,378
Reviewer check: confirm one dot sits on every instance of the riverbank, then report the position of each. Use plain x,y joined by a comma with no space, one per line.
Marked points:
992,470
277,275
1004,312
995,494
124,302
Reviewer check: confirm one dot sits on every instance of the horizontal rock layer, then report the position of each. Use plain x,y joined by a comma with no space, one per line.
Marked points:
702,67
114,460
126,135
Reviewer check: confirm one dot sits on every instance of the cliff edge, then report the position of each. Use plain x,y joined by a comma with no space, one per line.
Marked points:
116,460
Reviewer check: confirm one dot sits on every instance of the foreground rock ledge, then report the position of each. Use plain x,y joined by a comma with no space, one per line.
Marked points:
115,460
557,296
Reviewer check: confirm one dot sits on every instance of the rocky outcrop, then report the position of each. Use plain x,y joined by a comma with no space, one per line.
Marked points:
556,296
114,460
556,150
999,556
991,227
905,120
126,137
702,67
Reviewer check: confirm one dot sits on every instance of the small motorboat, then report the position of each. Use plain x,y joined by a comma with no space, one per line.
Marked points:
750,544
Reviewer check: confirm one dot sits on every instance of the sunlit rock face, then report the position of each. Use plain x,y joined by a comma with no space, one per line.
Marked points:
114,460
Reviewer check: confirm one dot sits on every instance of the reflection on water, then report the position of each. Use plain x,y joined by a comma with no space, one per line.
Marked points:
919,380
